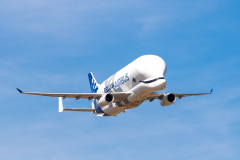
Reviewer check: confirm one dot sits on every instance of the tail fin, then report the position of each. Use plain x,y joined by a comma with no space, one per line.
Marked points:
93,83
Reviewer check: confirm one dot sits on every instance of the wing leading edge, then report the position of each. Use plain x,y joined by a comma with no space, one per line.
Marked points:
153,95
119,96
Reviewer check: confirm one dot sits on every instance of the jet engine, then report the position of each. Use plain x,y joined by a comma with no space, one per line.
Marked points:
106,99
168,99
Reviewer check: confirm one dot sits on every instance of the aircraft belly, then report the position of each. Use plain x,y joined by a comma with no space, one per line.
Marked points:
132,105
112,109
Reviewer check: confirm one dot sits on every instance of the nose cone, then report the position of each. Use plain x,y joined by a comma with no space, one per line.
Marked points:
149,66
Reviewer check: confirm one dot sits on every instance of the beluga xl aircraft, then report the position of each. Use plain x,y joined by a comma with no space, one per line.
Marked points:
126,89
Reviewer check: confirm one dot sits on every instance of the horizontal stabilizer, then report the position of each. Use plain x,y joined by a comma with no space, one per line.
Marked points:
79,109
61,109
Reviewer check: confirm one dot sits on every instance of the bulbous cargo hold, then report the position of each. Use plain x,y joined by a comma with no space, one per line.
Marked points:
144,68
150,66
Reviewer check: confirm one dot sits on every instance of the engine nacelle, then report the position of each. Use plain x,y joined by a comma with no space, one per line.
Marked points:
168,99
106,99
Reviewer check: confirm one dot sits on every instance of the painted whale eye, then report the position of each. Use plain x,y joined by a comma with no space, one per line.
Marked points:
134,80
153,80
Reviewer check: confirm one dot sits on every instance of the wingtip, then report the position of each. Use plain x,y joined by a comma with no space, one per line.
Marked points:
19,90
211,90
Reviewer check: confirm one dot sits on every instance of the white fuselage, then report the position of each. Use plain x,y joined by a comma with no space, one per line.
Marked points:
140,78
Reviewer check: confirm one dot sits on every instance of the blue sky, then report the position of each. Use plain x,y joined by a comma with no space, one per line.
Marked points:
51,46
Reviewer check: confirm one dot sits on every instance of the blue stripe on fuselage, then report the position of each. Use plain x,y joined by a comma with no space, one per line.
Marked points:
97,108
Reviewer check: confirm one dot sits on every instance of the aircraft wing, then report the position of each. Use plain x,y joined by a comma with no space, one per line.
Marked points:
153,95
119,96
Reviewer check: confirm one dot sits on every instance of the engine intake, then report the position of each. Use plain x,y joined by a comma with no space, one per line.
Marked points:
106,99
168,99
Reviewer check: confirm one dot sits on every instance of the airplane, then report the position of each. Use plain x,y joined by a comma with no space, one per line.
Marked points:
127,89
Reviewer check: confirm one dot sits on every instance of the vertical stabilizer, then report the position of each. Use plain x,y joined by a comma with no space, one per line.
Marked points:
93,83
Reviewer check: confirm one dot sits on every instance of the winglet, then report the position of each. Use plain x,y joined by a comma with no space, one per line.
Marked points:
211,90
19,90
60,107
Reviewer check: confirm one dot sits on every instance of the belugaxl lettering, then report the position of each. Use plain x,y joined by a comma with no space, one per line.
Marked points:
117,83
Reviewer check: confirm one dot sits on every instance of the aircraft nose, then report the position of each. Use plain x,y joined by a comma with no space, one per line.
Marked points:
155,83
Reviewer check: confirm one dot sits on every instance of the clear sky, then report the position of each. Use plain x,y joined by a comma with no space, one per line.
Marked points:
51,46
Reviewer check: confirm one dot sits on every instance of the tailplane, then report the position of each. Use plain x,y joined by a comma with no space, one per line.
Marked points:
93,83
